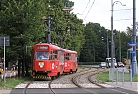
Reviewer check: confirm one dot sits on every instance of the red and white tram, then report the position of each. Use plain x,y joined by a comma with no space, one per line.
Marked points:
47,61
70,63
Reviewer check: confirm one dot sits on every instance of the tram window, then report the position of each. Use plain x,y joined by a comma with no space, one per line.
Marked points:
55,53
73,58
61,56
50,57
67,56
42,55
55,57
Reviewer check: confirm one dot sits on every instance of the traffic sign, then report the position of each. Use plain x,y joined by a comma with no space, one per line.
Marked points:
7,40
132,44
132,52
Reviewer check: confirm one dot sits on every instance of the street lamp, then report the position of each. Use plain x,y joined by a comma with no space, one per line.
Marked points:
112,39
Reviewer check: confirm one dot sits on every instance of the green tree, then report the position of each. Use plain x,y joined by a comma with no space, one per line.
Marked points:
21,20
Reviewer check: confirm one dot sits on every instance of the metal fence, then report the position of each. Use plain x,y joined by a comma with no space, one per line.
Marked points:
121,76
9,73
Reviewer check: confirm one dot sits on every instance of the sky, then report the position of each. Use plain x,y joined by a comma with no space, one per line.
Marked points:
99,11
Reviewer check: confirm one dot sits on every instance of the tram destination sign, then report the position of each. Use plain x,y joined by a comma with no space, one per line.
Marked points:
7,40
42,47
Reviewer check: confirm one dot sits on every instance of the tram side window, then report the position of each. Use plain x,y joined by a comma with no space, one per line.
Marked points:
67,56
61,56
50,56
55,53
73,58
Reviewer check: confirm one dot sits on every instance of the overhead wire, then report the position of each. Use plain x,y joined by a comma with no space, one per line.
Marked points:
123,19
86,7
102,11
114,10
123,9
89,9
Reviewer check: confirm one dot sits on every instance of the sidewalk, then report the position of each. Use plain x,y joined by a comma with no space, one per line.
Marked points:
125,86
8,74
4,91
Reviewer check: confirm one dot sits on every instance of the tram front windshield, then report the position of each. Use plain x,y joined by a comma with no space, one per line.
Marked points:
42,55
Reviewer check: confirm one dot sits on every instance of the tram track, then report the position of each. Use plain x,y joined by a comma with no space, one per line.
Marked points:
90,74
95,81
84,79
52,84
75,78
25,89
52,90
34,82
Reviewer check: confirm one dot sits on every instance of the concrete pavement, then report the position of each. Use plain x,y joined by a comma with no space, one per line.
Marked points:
4,91
134,86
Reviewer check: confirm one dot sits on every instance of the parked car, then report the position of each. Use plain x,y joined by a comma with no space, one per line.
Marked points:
103,65
120,64
108,62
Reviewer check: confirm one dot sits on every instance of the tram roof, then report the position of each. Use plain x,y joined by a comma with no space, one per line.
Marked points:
69,51
47,44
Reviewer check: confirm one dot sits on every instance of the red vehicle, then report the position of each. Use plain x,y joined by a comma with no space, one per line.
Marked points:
70,63
47,61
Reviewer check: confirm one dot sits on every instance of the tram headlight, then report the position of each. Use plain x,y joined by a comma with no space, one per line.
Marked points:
41,64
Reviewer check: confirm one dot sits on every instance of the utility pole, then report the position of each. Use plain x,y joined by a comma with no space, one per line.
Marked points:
107,46
112,33
48,21
112,39
134,36
48,32
119,47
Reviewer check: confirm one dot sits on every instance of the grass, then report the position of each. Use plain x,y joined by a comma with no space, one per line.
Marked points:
11,82
104,77
135,78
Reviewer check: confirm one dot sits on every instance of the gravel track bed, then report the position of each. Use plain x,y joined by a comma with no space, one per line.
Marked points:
83,79
64,81
34,84
94,79
55,84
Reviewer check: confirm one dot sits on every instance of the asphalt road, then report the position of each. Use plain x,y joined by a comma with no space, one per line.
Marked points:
74,91
117,90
